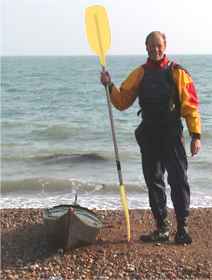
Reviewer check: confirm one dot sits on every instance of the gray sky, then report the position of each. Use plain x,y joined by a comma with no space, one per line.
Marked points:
56,27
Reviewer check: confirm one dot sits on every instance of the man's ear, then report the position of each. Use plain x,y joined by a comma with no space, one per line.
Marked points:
147,49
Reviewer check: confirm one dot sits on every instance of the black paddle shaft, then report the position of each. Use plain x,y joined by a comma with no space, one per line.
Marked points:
118,163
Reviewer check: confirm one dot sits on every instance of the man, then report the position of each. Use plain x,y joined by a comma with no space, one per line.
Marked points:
165,93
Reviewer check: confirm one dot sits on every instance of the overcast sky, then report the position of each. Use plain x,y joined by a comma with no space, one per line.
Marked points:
56,27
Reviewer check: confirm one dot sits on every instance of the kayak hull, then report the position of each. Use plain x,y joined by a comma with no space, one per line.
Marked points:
72,226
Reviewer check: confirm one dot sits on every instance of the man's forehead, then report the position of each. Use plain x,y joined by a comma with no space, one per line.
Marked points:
155,39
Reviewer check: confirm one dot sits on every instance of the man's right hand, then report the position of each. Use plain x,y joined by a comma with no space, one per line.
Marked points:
105,78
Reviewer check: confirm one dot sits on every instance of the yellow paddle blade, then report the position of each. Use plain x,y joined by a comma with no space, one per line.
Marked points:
125,207
98,31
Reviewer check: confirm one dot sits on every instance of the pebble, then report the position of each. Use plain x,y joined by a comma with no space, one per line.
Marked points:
130,267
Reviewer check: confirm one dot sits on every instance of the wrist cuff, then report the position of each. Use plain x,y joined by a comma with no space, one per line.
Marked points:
195,135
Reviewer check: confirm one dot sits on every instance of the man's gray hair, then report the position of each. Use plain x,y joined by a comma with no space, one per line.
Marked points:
154,33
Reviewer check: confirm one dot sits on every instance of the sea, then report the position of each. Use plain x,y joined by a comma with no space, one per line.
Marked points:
56,140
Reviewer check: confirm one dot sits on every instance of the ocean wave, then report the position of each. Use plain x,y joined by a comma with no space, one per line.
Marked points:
15,124
4,84
56,157
96,201
50,185
91,195
74,158
13,89
54,132
38,74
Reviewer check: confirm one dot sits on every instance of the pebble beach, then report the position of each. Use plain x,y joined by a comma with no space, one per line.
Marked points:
27,255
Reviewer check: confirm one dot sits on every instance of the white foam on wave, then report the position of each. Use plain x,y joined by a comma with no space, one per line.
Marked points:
98,201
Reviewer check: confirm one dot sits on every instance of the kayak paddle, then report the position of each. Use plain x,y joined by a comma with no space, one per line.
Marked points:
98,34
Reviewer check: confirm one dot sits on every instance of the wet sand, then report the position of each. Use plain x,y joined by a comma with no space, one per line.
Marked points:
26,254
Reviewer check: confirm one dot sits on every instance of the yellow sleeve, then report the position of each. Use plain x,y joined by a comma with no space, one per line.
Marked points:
188,99
124,97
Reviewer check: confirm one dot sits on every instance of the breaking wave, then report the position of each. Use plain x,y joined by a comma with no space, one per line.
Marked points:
51,185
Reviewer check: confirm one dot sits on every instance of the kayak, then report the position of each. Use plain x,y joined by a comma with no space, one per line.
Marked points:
70,226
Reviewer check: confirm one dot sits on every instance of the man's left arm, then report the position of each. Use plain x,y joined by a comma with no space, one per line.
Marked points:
189,107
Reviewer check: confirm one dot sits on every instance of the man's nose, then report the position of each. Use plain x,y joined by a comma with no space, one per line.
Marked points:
156,49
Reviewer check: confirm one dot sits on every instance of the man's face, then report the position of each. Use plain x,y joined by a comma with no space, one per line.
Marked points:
156,47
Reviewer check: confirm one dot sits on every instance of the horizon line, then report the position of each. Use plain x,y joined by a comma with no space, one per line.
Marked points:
65,55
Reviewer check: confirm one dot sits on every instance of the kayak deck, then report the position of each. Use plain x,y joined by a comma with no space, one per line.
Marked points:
71,226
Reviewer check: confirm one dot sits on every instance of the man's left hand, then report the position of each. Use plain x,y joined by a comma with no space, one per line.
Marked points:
195,146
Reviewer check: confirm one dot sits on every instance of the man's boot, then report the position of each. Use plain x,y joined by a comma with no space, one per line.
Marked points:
182,236
161,234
